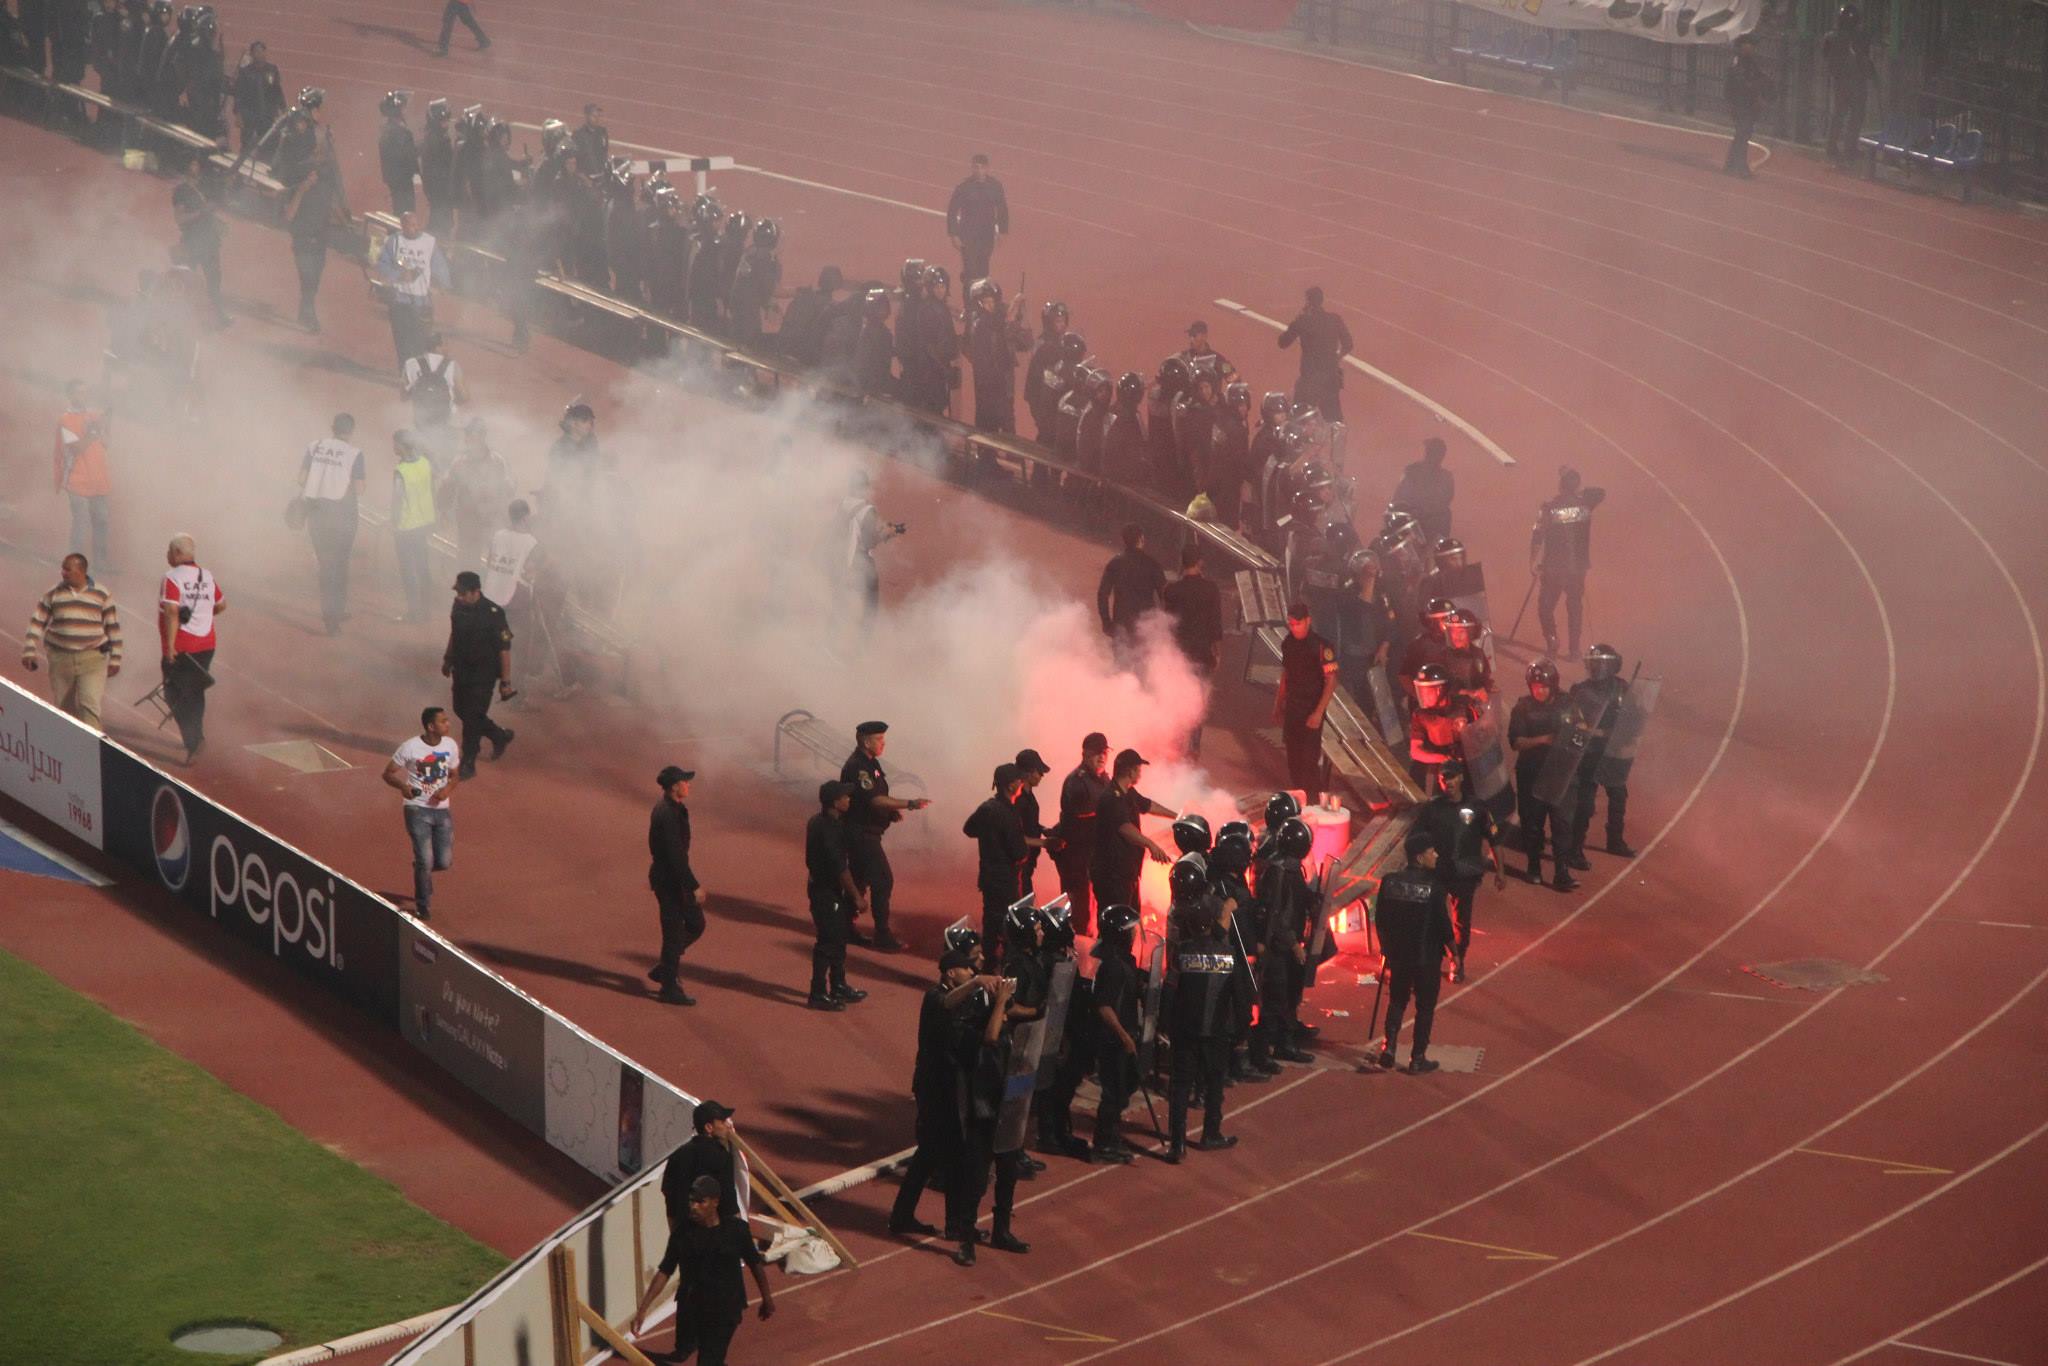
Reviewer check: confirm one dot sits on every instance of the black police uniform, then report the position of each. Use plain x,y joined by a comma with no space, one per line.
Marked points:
1529,719
1116,1071
866,823
1325,341
702,1155
976,213
1131,585
1042,385
1363,627
592,146
986,1067
711,1297
437,178
1195,605
937,1086
1281,923
1244,982
1203,961
1563,537
309,242
199,238
1230,466
992,347
1414,924
1124,448
675,886
998,833
1304,664
825,861
1117,863
398,160
1028,816
1427,490
1462,831
1063,1072
477,634
1598,703
1080,793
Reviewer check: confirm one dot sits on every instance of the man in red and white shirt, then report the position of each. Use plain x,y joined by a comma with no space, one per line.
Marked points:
190,600
81,473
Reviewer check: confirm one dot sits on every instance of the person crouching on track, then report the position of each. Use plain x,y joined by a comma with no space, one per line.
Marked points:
1202,961
1412,915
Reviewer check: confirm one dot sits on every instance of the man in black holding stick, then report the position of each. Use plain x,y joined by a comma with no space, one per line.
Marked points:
1325,342
478,658
834,898
1414,923
675,885
976,216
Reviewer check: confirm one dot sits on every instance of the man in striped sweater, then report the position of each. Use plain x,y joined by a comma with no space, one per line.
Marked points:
76,625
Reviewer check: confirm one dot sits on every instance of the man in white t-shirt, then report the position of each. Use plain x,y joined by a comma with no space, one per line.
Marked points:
424,770
330,482
409,267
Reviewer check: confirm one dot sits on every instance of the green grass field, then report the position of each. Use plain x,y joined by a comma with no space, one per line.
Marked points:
139,1195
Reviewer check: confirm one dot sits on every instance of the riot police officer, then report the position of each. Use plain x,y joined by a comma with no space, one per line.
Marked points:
1411,914
1532,728
1597,702
1285,915
1123,435
937,1086
437,171
1230,861
1115,1002
1042,371
994,341
1465,836
1560,553
1201,961
834,896
1308,680
871,815
398,153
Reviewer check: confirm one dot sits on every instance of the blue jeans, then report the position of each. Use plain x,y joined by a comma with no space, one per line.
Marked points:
89,513
433,849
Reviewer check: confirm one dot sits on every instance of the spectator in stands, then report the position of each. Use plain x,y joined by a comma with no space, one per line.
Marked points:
81,471
1325,342
706,1250
976,216
330,483
423,770
451,13
1131,586
1427,489
1845,52
77,626
259,95
190,600
199,234
1749,88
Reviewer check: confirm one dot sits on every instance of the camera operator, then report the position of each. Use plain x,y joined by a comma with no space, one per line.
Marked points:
864,530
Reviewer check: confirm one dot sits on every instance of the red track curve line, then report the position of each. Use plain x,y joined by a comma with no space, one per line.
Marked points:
1781,1273
1677,1209
1932,1319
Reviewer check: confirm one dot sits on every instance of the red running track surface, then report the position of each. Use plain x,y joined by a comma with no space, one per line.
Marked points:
1816,405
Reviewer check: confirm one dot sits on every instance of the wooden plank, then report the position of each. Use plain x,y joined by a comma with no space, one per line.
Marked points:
613,1337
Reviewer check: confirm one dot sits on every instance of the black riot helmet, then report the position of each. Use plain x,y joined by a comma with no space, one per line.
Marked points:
1130,387
938,280
1073,348
875,304
1020,922
1542,671
1295,839
1273,408
737,224
705,210
1450,552
392,103
1341,536
1399,522
1303,414
1295,443
1190,875
985,291
1057,921
913,273
1603,662
312,97
767,234
1431,682
1281,807
437,111
1233,851
1117,924
160,11
1360,565
1099,385
962,939
1317,479
1053,311
1191,833
1175,375
1237,396
1435,613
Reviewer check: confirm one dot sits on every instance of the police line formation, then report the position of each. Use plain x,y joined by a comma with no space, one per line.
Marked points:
1399,619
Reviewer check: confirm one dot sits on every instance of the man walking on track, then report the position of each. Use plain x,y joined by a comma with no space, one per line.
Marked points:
478,658
977,215
1325,342
81,471
76,625
834,897
423,769
190,600
460,10
330,483
675,885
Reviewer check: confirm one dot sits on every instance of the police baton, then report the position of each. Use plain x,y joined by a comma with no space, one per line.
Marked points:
1516,628
1379,987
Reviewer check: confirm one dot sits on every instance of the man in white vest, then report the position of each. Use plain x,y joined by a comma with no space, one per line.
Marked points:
511,562
330,482
409,267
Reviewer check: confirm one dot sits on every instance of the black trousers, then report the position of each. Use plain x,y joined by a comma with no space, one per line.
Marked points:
1116,1072
1304,757
1055,1104
1738,146
1405,980
963,1196
1572,588
1072,865
331,523
187,702
709,1335
682,924
1323,393
975,252
1463,890
1845,120
311,259
1279,992
828,949
404,197
1206,1059
995,901
872,874
459,10
939,1148
472,702
441,211
1534,816
1582,804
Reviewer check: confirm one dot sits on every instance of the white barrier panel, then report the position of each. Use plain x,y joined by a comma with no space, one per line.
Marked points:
50,763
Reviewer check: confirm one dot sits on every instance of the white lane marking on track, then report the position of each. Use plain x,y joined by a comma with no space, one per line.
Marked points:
1944,1352
1441,413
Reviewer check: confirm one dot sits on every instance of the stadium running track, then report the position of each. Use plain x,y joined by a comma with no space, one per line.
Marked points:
1816,404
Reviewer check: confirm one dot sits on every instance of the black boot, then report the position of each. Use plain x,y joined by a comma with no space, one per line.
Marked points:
1002,1240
